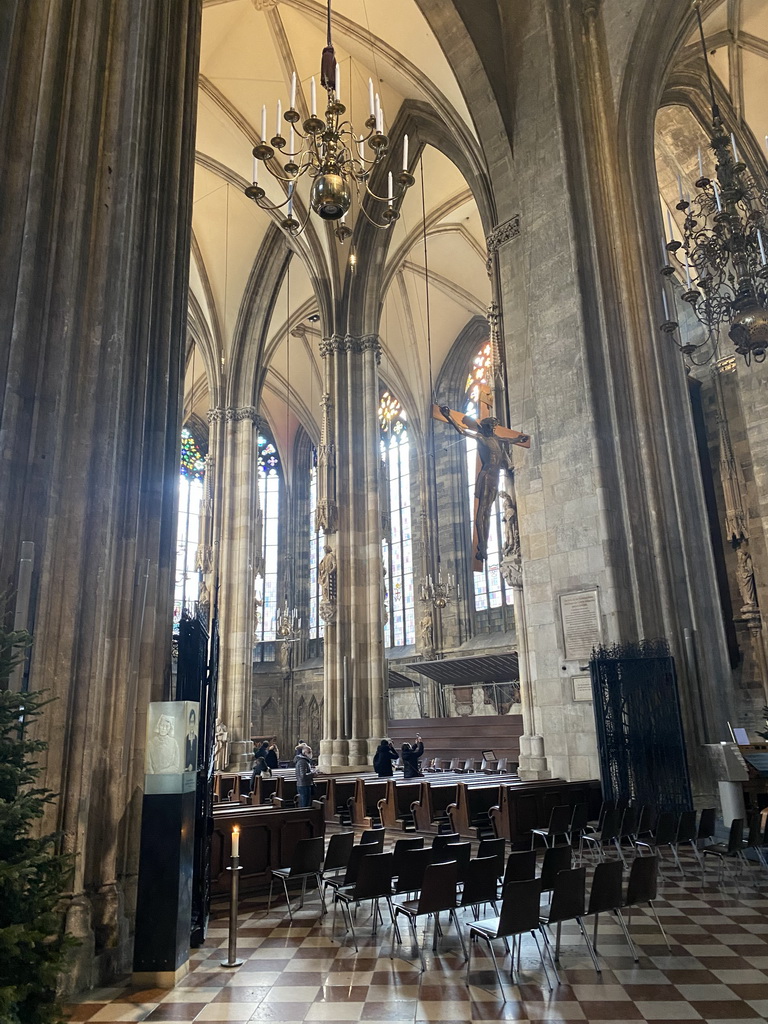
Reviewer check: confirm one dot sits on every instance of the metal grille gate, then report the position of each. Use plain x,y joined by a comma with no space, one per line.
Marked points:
639,726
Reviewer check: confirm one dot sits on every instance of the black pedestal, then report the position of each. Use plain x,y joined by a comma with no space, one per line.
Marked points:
164,903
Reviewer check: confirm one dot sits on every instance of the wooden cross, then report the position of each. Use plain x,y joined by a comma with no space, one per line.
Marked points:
492,440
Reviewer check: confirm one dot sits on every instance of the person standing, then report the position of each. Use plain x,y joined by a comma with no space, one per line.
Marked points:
383,759
410,755
272,756
304,773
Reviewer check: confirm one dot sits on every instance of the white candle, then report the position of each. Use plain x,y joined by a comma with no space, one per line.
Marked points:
760,243
664,251
277,119
680,187
293,91
376,111
290,200
390,191
338,84
264,123
372,106
291,141
255,178
666,307
671,228
733,147
236,841
381,120
405,152
313,98
766,141
687,271
701,165
717,197
360,148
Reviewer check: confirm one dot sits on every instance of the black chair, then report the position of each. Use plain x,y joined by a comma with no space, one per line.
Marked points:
556,859
493,848
401,848
459,852
374,882
306,862
338,853
754,840
734,848
627,829
578,827
519,914
608,834
687,833
706,831
356,855
374,836
665,835
559,824
479,885
605,806
411,868
568,904
438,893
521,866
642,887
446,839
646,824
606,894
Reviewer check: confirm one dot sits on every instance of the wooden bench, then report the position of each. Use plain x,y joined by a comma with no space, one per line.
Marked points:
395,808
430,811
364,806
469,815
268,838
524,806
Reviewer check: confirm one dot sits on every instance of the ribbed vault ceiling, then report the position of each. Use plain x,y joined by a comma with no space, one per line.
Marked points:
249,49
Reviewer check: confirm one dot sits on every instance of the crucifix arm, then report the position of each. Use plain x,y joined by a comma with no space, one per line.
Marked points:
462,427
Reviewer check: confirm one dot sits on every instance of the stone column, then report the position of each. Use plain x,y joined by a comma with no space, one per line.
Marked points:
237,563
97,117
354,645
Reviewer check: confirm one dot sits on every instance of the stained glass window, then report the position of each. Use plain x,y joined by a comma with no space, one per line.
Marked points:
490,588
316,545
265,596
187,584
396,548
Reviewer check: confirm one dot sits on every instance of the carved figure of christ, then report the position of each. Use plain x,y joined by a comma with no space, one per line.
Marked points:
493,455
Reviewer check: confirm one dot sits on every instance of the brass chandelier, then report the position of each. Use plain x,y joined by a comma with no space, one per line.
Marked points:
328,149
722,252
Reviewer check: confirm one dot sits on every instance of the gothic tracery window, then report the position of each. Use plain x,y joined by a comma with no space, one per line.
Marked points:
192,473
490,588
396,548
316,544
265,596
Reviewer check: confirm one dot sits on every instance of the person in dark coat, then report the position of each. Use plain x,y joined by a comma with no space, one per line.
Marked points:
304,774
410,755
272,756
383,758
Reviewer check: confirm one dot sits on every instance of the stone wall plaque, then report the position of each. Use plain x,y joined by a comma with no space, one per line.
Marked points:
580,617
582,687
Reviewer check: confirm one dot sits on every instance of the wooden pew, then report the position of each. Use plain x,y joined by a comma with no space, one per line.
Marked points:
267,840
527,805
395,808
364,807
430,810
341,788
469,816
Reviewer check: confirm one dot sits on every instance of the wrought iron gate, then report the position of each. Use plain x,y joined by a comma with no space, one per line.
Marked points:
197,679
639,726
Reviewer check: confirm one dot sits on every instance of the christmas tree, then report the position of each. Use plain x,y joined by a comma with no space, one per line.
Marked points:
33,877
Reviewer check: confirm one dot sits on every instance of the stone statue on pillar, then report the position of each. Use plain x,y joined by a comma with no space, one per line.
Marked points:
327,575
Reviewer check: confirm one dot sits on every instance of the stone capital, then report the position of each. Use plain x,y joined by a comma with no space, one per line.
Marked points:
245,412
502,233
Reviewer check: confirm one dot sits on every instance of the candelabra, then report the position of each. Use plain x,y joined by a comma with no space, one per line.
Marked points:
437,592
722,252
330,152
287,623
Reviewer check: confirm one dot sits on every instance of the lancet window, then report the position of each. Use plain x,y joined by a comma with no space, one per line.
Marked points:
188,535
396,548
316,544
490,588
265,595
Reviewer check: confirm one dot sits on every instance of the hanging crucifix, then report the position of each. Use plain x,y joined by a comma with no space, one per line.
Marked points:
493,451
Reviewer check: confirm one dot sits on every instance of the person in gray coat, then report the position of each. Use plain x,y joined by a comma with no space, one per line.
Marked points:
304,773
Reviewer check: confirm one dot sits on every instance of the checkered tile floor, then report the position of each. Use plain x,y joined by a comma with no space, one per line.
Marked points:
716,970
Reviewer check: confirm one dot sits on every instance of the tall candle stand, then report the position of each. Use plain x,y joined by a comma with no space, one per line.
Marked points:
232,958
